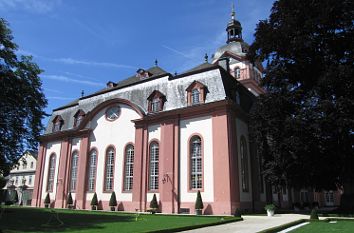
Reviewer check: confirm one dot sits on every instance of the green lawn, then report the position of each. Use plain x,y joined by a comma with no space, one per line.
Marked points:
36,220
342,226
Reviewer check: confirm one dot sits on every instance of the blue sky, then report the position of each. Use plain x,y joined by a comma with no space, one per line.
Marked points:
83,44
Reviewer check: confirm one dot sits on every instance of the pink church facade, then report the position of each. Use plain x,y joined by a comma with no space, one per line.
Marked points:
159,133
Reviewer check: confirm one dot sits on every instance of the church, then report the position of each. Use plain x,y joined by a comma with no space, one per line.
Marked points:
160,133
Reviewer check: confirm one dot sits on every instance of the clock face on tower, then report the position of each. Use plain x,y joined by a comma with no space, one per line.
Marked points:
112,113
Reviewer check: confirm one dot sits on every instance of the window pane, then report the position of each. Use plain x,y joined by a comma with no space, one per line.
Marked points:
196,163
92,170
154,166
195,96
74,165
109,169
51,173
129,165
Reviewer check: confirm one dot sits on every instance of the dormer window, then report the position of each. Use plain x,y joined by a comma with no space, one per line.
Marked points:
196,93
79,116
57,123
156,101
142,74
237,73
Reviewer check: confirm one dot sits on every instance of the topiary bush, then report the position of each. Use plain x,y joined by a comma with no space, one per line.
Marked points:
113,201
69,201
314,215
238,213
47,201
154,205
94,202
199,204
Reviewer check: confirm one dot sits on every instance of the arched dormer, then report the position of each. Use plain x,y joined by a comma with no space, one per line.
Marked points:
78,117
57,123
196,93
156,100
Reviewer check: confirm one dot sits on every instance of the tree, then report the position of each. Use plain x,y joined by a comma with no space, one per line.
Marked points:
113,201
304,124
69,201
94,202
47,201
153,204
21,102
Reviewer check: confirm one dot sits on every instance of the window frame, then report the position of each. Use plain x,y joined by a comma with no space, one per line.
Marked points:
126,163
156,186
51,169
152,100
105,190
190,163
89,166
58,123
244,157
196,85
237,72
74,171
78,117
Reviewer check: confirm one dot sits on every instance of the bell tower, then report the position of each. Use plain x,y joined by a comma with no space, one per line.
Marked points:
234,29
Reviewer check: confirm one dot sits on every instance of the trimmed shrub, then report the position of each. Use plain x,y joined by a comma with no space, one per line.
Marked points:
238,213
199,203
94,202
47,201
153,204
69,201
269,207
296,205
113,201
15,200
314,215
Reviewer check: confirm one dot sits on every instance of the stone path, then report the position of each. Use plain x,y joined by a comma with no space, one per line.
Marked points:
251,224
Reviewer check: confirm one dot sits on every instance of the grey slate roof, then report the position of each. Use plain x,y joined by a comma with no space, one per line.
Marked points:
219,83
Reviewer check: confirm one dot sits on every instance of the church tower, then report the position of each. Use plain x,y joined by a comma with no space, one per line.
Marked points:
234,54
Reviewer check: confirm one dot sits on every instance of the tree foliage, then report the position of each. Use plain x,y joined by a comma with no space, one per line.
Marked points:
21,101
304,124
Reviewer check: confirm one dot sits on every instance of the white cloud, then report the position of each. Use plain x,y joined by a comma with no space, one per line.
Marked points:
33,6
176,51
62,78
72,61
53,90
59,98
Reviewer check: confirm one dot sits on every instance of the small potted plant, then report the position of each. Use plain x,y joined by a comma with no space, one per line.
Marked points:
199,204
94,202
154,205
69,201
47,201
270,208
113,201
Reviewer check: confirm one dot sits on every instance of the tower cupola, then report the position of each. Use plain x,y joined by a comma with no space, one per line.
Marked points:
234,29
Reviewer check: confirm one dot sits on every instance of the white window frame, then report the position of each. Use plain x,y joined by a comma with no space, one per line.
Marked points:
92,171
196,163
109,169
73,174
129,168
154,166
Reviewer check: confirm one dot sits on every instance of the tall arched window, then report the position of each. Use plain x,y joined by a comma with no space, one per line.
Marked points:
92,171
129,166
154,166
51,173
109,171
74,165
196,163
244,164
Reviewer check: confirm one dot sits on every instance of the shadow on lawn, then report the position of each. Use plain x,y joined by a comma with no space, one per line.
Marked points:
37,220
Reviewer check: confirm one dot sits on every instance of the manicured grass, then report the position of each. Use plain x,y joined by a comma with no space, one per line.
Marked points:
36,220
342,226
